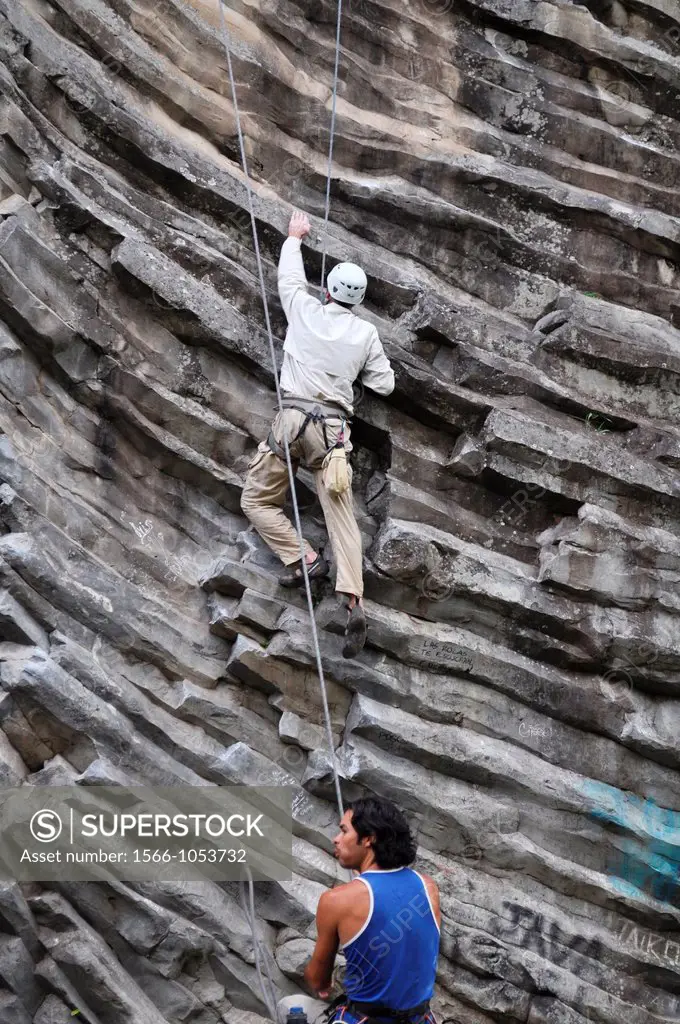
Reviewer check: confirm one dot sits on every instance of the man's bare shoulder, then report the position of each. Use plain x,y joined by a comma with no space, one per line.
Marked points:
347,891
432,889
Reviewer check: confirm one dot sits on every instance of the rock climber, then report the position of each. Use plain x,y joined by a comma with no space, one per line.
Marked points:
327,347
386,922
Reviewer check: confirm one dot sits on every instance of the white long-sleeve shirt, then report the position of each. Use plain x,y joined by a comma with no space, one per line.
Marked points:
326,347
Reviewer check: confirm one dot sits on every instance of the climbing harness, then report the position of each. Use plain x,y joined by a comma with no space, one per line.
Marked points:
375,1013
318,413
250,914
380,1010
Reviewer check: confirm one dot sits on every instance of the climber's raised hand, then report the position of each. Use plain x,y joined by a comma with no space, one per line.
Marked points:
299,225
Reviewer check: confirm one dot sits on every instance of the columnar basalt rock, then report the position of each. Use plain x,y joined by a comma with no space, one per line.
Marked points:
507,173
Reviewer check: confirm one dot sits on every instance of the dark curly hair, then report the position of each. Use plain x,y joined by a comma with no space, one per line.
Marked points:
394,846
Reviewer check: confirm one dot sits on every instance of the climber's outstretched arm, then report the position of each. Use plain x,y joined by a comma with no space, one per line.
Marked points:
292,279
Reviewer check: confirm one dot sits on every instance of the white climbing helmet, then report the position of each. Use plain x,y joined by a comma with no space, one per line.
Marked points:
347,283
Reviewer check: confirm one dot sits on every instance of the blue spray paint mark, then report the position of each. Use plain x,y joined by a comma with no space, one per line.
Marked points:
649,863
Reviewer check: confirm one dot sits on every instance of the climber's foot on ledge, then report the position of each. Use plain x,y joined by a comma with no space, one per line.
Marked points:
294,576
355,631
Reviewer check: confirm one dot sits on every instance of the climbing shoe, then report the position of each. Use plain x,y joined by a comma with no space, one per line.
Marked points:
294,576
355,631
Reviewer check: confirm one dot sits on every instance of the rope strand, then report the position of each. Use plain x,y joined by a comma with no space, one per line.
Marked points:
291,475
330,148
267,991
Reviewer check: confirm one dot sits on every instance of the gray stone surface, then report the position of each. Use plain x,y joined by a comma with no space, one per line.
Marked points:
507,171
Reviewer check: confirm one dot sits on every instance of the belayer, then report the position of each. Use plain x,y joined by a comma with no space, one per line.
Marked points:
386,922
327,347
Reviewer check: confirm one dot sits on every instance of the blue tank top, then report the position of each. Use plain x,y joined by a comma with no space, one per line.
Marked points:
393,958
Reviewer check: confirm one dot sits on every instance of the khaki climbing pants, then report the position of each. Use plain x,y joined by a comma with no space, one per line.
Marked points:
266,487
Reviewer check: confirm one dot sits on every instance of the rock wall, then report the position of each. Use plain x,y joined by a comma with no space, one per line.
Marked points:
507,172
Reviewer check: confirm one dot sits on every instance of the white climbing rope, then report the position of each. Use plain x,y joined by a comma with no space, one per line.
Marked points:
291,475
330,147
268,991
